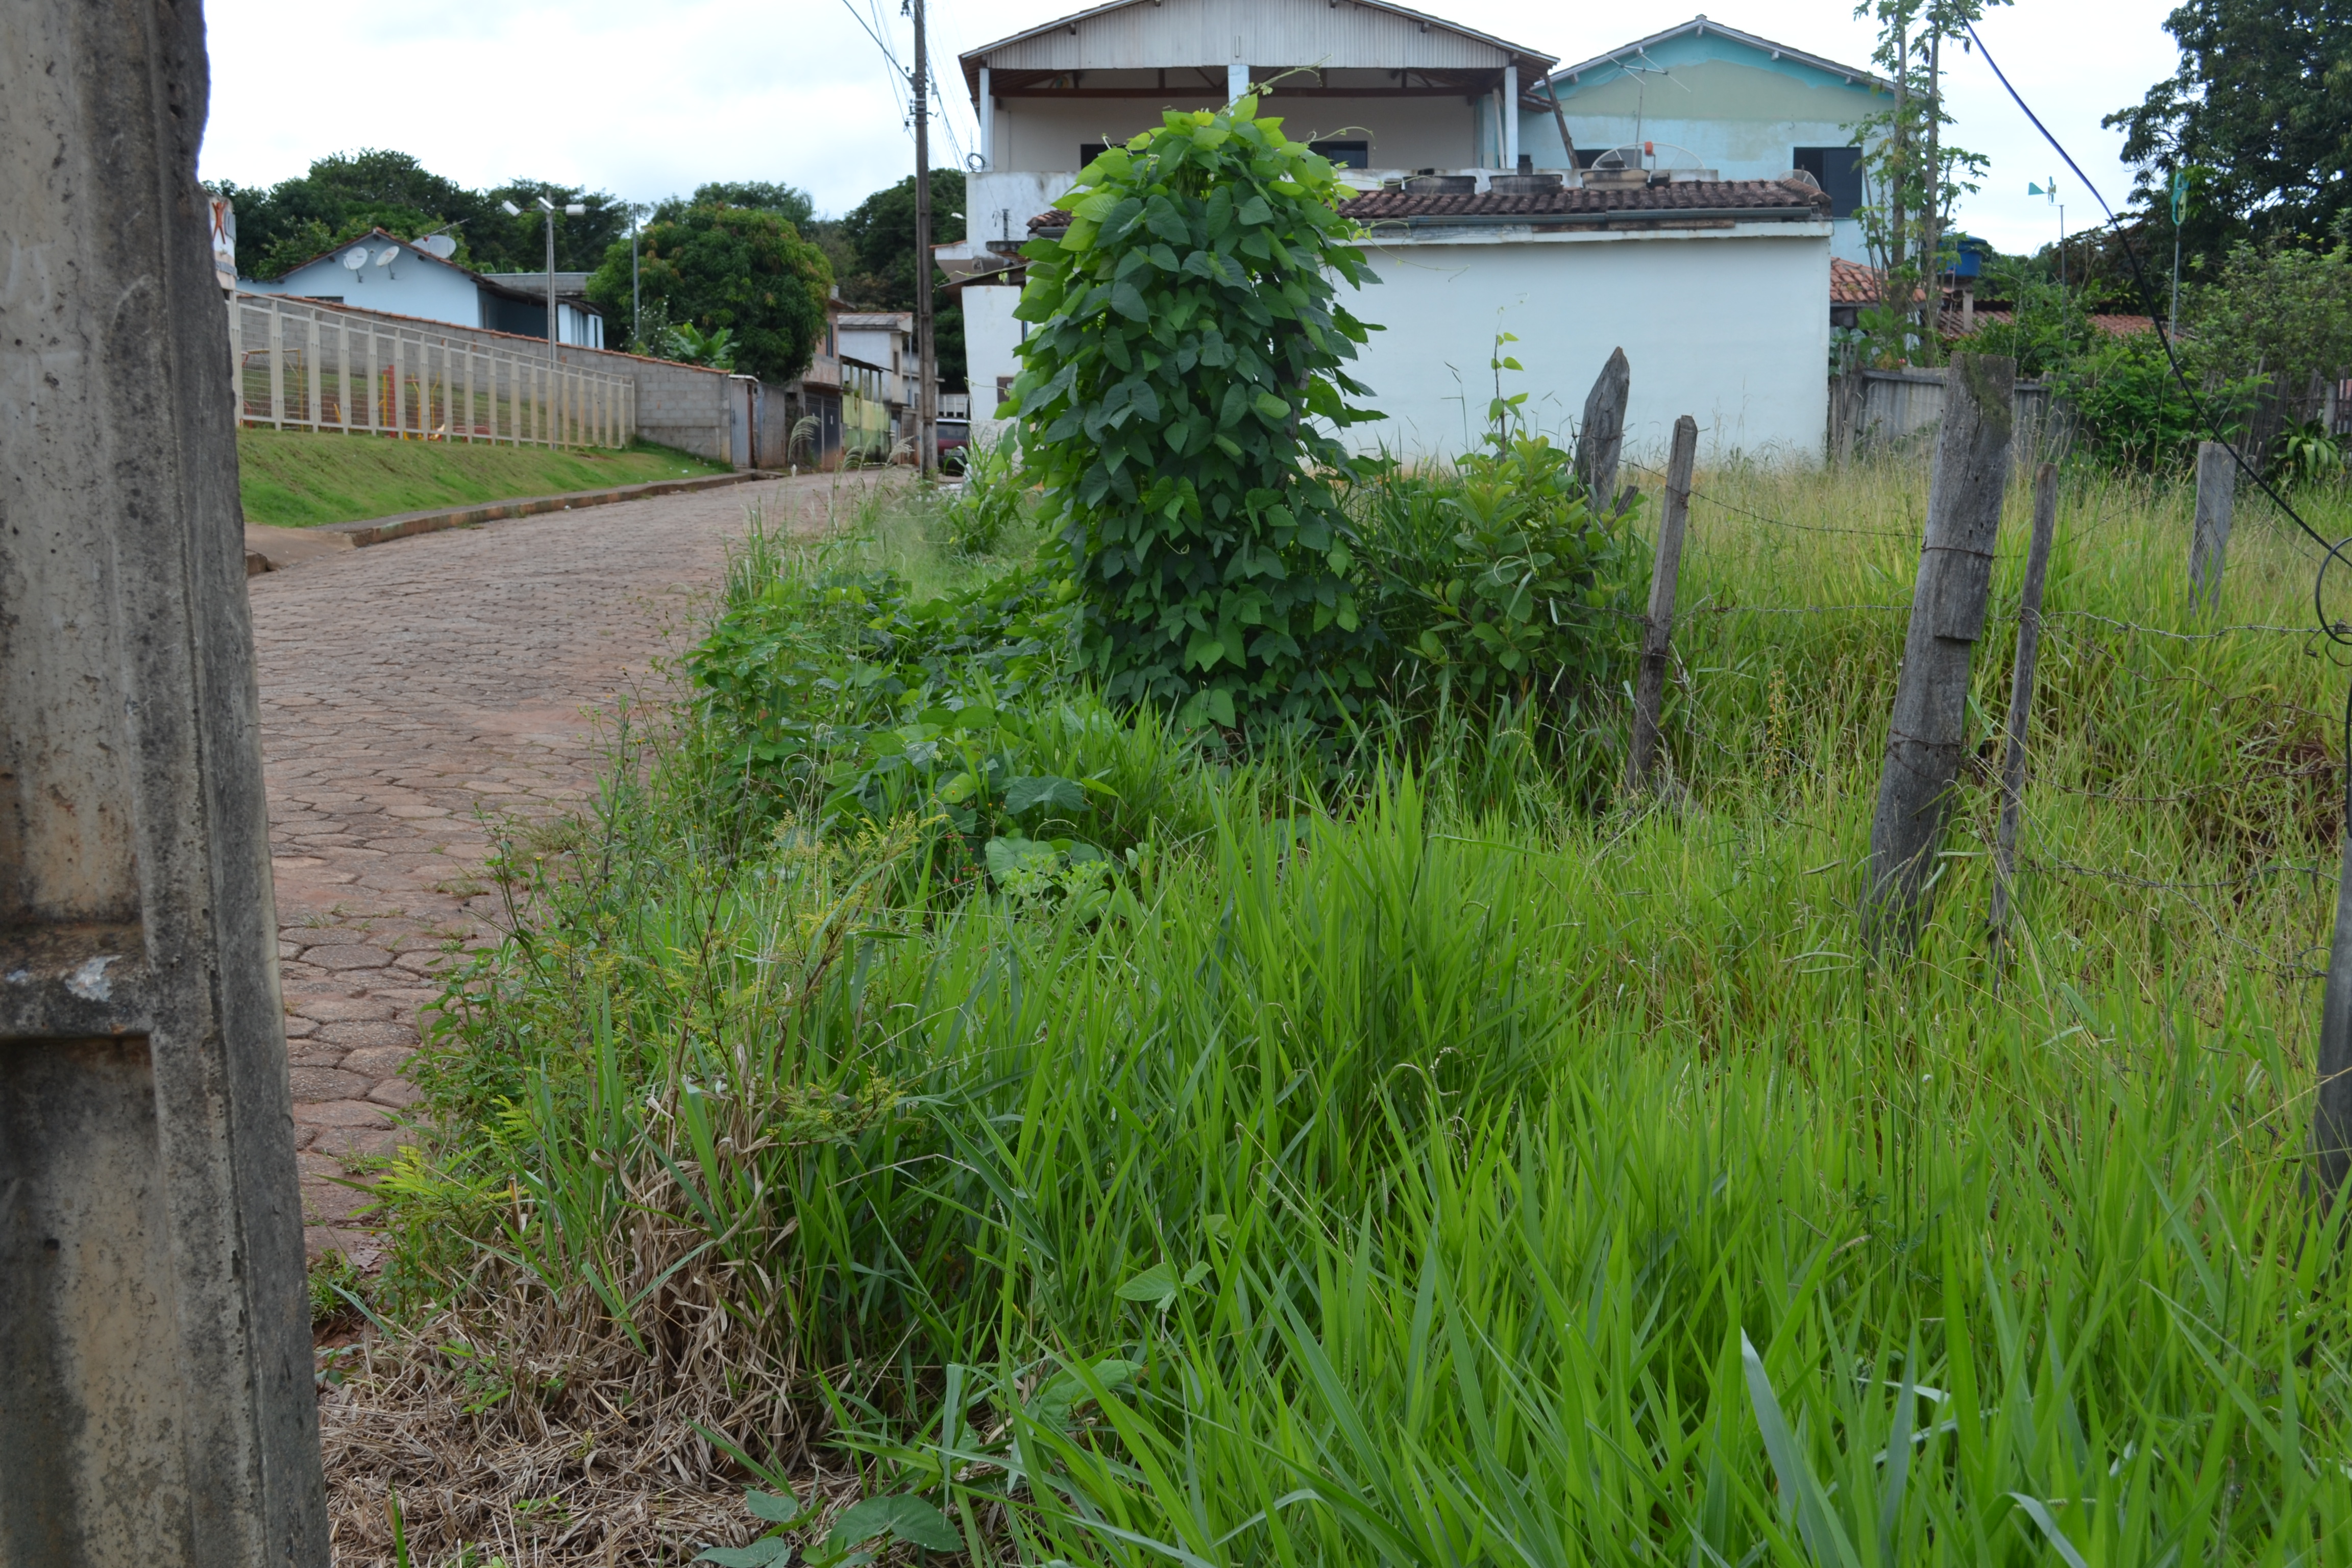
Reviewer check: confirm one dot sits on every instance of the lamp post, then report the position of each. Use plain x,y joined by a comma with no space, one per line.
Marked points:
573,209
2179,211
2050,189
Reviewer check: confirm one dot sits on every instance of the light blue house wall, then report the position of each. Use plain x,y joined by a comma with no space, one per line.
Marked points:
414,283
1736,103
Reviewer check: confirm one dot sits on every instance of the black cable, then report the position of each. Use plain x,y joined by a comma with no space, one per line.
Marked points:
2334,632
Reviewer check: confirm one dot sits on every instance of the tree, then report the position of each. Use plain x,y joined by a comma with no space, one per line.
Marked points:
792,203
1187,340
347,195
2263,106
1915,174
880,234
743,268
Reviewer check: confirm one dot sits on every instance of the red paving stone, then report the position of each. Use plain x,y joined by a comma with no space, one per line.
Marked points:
415,695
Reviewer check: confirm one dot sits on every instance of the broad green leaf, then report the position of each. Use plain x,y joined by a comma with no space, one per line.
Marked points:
758,1554
777,1509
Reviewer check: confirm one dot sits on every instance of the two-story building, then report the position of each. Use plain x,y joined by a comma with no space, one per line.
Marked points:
1715,282
1703,100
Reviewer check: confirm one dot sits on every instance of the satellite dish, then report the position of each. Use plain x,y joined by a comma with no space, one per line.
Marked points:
355,257
384,258
444,245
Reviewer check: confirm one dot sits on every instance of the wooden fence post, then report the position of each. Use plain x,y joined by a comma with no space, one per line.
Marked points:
1657,628
1601,437
2217,485
1929,727
2021,700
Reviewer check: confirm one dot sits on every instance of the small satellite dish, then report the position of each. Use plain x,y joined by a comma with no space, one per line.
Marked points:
355,257
444,245
385,257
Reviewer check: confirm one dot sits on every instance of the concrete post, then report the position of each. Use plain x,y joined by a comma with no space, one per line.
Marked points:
1929,725
157,1403
2020,702
1601,437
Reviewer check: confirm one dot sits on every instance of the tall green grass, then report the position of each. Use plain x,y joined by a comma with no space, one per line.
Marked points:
1426,1169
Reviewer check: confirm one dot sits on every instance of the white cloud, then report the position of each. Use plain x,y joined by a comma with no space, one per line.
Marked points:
646,101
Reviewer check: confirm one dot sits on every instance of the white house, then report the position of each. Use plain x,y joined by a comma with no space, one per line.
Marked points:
1717,287
1706,99
383,272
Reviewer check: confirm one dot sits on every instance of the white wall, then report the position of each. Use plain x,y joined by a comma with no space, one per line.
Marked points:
992,339
1729,326
1039,133
409,287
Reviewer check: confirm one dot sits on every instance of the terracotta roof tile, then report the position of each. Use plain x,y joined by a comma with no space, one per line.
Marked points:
1571,203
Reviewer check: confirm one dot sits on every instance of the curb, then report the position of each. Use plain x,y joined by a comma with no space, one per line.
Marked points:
407,524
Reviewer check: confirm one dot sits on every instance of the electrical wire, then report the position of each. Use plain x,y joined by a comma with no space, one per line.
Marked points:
2335,631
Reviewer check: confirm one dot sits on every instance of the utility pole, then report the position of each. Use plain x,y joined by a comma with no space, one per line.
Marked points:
926,444
157,1402
636,305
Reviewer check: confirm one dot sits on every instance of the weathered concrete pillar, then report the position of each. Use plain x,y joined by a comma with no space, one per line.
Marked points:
156,1394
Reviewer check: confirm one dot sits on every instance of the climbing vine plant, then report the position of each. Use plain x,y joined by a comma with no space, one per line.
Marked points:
1179,399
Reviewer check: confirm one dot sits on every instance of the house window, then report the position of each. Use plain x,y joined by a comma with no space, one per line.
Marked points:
1838,170
1345,154
1090,151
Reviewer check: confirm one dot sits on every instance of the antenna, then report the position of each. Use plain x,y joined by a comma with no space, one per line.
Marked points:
355,257
385,257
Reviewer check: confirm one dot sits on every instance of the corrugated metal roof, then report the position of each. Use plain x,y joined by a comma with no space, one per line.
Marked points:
1772,199
1701,25
1338,35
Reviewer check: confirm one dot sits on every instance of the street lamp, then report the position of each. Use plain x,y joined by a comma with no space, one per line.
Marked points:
2050,189
572,210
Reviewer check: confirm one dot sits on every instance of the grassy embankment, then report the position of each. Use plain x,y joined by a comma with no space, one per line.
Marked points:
294,480
1414,1163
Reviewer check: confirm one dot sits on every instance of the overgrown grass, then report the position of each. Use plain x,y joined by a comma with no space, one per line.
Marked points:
1403,1161
294,480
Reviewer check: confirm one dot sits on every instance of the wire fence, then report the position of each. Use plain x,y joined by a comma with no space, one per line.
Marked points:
2211,900
296,366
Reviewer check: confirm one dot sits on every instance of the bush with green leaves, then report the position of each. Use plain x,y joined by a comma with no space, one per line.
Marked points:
1178,394
992,503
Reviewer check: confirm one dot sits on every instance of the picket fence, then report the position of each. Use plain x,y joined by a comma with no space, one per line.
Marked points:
296,366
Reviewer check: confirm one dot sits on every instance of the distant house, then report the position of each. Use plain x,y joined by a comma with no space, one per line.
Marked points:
1715,286
579,322
383,272
1706,102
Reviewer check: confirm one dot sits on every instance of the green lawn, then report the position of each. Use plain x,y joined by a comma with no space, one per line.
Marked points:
288,480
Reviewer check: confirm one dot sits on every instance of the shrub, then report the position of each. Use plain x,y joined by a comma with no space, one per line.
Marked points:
990,506
1498,577
1187,342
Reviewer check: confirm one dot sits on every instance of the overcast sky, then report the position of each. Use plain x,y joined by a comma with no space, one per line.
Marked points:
649,99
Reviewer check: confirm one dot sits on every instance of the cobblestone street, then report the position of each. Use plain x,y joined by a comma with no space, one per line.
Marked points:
413,694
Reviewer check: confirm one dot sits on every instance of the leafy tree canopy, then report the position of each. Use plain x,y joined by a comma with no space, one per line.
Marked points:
745,269
2260,110
881,234
349,194
790,202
